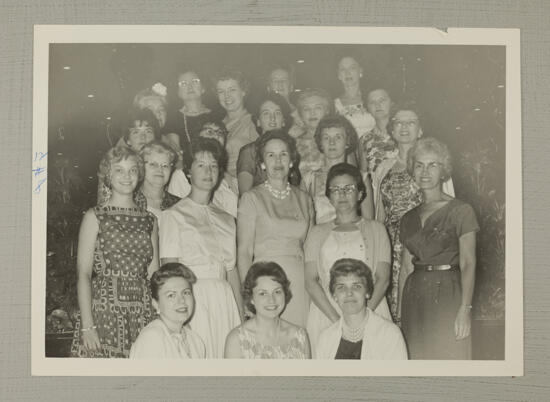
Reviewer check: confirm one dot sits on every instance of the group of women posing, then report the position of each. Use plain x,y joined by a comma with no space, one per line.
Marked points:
295,232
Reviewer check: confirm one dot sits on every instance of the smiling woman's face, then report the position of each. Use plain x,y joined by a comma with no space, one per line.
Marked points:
268,297
204,171
175,302
350,293
276,159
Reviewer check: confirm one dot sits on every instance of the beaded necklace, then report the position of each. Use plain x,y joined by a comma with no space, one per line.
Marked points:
279,194
354,334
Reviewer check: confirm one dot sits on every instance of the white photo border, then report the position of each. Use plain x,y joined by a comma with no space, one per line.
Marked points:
512,365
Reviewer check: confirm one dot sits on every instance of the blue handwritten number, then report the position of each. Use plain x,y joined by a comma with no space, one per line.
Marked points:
38,170
39,156
38,186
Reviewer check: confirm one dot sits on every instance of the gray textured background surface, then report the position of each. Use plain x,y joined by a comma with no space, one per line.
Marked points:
16,30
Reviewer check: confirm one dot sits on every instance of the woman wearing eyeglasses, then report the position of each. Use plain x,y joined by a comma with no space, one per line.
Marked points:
159,160
348,236
184,124
396,191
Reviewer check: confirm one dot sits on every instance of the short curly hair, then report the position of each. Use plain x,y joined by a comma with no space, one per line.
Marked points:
232,74
167,271
436,147
160,148
342,169
351,266
259,269
310,92
115,155
336,121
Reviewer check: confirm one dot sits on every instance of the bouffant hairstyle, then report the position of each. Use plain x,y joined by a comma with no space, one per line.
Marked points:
167,271
294,176
259,269
115,155
310,92
342,169
232,74
279,101
431,145
337,121
141,116
159,148
351,266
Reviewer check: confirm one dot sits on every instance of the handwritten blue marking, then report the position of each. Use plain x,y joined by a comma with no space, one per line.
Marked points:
39,186
38,170
39,156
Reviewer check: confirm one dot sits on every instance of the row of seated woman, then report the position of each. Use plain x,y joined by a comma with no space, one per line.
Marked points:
280,187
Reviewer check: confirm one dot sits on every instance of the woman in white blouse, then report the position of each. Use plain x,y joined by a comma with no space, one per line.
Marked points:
202,236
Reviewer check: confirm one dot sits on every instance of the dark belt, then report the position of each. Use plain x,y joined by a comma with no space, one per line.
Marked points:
446,267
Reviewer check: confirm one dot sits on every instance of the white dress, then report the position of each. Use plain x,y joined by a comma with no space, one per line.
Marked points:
340,245
202,237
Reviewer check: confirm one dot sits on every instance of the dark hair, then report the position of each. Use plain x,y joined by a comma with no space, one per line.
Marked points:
217,151
425,145
342,169
232,74
167,271
216,120
279,101
115,155
142,116
279,134
337,121
264,268
160,147
349,266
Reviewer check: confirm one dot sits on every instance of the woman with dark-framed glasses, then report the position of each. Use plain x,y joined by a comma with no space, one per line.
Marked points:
395,191
349,235
159,160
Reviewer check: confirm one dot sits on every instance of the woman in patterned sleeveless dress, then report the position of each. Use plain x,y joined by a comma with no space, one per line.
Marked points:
266,335
117,251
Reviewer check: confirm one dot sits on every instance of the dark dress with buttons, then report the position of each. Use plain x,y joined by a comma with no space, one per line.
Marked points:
431,299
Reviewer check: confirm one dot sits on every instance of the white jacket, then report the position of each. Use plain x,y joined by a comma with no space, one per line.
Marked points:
382,340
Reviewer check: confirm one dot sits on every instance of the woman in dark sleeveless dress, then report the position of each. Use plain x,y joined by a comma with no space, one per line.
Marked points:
117,251
438,265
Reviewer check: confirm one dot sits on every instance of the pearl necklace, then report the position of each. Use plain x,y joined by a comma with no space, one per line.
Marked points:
354,334
279,194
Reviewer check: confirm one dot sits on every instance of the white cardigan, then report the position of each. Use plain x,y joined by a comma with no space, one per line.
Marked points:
382,340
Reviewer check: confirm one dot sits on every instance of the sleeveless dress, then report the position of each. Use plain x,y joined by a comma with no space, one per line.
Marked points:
202,237
371,247
121,301
399,194
431,299
280,231
252,349
357,115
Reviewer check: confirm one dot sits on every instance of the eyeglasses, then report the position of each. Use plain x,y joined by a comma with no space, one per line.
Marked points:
343,190
185,84
156,165
408,123
213,131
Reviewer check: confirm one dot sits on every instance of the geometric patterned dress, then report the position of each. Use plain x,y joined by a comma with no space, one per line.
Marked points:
121,300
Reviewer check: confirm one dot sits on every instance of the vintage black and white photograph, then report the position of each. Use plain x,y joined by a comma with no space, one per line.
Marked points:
220,200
